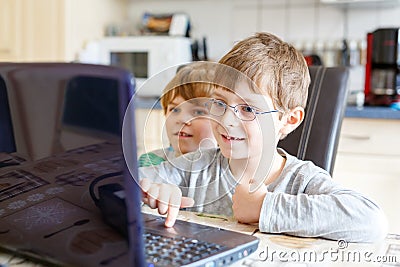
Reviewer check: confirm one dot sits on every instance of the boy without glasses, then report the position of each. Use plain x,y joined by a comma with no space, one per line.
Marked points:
183,105
294,197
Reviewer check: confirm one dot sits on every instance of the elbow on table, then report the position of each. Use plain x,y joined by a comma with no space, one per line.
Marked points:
370,228
377,227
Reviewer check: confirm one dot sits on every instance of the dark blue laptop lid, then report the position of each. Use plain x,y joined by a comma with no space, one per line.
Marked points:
93,98
132,190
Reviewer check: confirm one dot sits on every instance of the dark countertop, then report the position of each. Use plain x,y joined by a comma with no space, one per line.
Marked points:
147,102
372,113
351,111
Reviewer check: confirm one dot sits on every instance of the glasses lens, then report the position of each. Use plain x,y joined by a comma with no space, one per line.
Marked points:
217,108
199,108
245,112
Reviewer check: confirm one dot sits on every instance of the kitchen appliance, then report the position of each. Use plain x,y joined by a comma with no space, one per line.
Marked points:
144,56
382,76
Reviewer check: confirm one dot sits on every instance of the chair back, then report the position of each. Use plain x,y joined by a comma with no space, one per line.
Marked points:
317,138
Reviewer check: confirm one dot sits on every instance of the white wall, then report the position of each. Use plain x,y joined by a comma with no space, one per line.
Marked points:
224,22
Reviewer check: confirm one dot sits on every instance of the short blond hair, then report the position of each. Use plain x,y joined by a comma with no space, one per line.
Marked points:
191,81
275,66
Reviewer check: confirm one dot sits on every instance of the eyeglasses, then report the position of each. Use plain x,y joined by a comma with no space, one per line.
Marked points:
242,111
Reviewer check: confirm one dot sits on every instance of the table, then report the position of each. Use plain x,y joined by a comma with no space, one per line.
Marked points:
283,250
45,203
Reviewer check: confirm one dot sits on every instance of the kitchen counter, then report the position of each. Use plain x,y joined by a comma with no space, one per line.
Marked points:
147,102
351,111
372,112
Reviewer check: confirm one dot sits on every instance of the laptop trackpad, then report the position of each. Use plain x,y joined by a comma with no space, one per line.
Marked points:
156,223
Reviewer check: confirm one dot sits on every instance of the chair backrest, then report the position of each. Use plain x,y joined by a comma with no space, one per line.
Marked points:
7,143
43,97
317,138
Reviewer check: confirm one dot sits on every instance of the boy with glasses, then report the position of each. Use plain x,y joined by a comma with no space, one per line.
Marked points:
259,98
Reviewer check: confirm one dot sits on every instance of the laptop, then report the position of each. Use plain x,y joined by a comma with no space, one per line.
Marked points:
82,182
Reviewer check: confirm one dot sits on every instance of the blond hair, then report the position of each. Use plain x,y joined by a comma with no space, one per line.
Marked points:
275,66
191,81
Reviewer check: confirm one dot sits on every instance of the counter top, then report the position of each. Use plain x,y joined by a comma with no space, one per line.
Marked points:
372,112
367,112
147,102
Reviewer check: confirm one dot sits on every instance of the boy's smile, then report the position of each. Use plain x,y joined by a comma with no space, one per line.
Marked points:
231,138
182,134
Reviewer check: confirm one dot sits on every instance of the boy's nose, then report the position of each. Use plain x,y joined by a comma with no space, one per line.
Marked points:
229,118
185,118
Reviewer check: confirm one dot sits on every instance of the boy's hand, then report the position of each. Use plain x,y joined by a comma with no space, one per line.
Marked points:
166,197
247,206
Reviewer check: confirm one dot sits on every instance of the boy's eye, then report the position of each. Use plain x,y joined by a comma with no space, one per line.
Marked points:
220,103
200,112
174,110
246,108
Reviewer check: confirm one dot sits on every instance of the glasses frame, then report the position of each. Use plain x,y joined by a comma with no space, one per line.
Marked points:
236,111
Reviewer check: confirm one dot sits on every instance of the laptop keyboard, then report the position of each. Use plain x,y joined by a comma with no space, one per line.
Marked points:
176,251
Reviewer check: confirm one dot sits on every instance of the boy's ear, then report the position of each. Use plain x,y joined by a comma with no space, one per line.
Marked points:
292,120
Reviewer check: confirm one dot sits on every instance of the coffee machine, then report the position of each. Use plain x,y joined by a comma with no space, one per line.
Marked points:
382,75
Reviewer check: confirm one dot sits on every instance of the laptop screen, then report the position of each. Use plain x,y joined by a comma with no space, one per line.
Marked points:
67,126
92,103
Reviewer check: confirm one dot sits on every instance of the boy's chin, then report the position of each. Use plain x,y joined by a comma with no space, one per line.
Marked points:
234,156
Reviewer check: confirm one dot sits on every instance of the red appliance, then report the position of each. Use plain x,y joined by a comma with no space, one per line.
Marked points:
382,70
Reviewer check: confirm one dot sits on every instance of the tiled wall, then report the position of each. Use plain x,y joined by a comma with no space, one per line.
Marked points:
225,21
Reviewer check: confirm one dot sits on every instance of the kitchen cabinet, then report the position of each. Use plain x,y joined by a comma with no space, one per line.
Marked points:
361,3
369,149
150,132
368,161
41,30
8,29
53,30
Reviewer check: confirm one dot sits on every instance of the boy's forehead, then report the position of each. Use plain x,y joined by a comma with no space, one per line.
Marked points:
179,100
244,93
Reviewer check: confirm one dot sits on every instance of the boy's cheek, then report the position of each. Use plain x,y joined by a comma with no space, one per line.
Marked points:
214,127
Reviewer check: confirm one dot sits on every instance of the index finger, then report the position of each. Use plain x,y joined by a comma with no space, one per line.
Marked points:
173,209
173,212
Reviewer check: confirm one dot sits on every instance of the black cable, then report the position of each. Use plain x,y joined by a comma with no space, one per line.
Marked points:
98,179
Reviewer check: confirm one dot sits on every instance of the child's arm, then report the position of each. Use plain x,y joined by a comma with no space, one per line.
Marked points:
319,207
167,198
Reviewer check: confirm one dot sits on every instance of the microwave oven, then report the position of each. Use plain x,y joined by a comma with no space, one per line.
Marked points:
144,56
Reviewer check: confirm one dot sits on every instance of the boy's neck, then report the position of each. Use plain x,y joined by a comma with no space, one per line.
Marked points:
245,169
